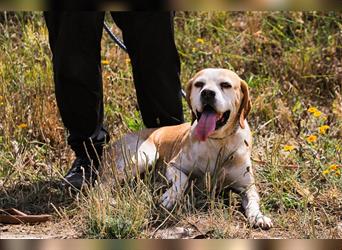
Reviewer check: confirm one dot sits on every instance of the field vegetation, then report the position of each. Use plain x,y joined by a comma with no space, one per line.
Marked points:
292,64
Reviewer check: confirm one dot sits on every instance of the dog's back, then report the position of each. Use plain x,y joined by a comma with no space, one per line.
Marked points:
139,150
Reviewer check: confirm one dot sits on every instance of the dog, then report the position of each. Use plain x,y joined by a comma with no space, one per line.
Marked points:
219,102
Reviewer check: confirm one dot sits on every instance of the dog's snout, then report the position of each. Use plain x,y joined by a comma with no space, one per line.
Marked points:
208,95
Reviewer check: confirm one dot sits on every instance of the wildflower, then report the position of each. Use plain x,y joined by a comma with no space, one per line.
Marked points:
325,172
200,40
312,110
105,62
288,148
317,113
22,125
333,167
193,50
311,138
259,50
322,129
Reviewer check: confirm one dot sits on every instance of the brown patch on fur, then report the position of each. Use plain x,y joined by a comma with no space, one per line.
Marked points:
187,98
170,140
246,104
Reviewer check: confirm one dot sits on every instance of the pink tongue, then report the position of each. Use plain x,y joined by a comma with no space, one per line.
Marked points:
206,125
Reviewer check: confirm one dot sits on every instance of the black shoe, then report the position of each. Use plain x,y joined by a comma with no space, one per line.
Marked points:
83,171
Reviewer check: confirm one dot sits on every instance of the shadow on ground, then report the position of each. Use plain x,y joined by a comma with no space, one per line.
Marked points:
36,198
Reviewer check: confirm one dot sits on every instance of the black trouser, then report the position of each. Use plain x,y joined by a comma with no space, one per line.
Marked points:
75,39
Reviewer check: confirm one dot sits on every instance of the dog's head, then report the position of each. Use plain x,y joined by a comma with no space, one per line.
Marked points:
218,98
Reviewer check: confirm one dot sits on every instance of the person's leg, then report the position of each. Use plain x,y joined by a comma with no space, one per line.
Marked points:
75,42
149,39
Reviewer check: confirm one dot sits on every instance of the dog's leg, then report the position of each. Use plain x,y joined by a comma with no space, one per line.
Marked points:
241,177
250,202
179,182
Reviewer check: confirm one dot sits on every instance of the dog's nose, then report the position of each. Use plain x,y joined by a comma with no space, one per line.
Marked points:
208,95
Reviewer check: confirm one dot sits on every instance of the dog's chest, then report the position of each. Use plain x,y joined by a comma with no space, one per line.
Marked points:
202,157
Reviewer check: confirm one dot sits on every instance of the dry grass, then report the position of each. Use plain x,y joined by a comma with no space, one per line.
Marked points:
291,61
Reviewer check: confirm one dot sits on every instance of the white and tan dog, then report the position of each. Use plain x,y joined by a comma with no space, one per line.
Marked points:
219,101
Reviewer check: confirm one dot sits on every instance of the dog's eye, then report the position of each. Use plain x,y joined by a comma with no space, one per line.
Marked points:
199,84
225,85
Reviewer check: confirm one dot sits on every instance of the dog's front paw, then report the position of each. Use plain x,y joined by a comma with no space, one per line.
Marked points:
262,221
169,198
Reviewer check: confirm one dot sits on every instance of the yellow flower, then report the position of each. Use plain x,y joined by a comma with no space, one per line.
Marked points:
322,129
317,113
259,50
311,138
193,50
128,61
325,172
105,62
333,167
312,110
288,148
200,40
22,125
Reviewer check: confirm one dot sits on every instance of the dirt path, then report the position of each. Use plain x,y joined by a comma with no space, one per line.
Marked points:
29,232
70,230
48,230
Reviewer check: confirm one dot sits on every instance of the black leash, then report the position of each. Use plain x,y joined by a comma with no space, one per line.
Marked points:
123,46
115,38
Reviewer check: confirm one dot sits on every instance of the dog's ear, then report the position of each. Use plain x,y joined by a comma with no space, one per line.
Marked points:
187,98
245,105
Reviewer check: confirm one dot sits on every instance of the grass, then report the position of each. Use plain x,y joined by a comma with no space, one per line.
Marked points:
291,61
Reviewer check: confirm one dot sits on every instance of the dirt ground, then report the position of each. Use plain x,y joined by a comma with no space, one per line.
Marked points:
194,228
